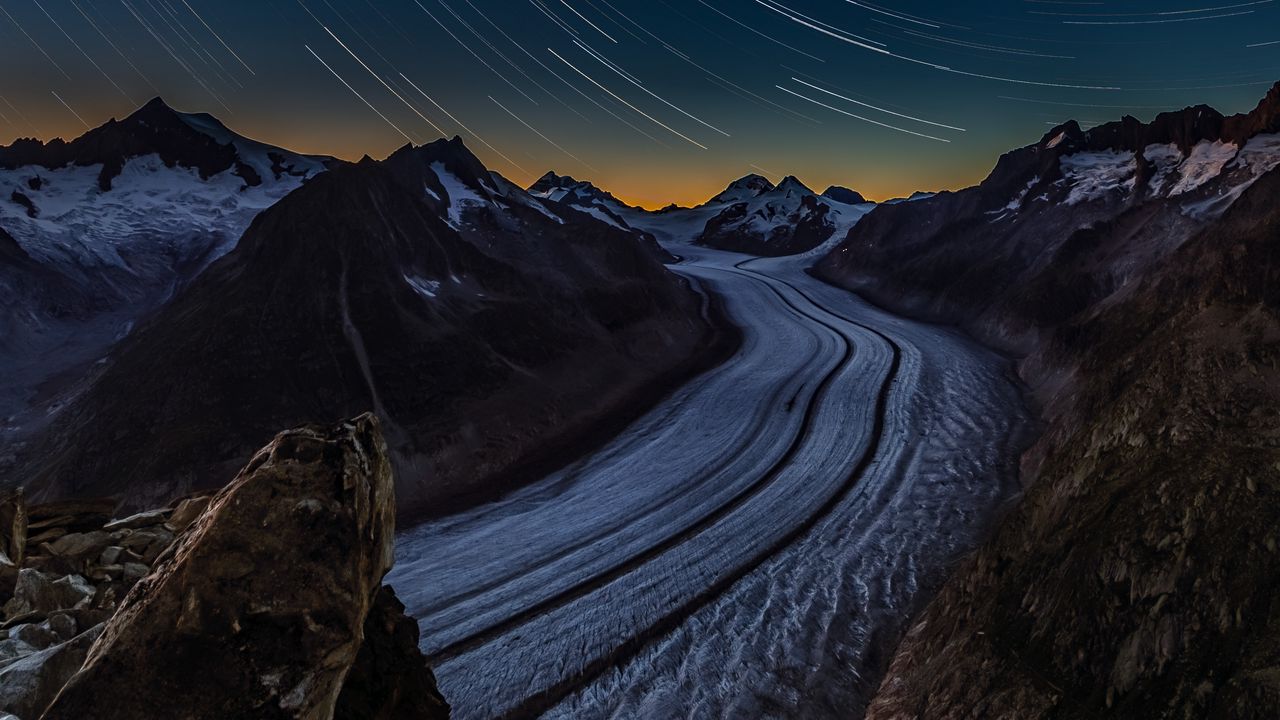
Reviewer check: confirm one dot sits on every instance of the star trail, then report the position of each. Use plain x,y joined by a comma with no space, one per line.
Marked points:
660,101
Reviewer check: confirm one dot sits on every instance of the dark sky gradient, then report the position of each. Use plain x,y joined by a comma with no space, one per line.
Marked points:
719,61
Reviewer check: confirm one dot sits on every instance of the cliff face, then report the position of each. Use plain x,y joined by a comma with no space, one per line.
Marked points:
1136,578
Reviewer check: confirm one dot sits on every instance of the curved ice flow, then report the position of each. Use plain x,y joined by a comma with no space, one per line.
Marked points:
737,552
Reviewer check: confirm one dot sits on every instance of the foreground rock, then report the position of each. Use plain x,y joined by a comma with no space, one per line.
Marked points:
259,610
389,679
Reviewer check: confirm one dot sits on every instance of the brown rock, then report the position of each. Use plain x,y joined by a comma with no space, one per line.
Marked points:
186,512
390,679
259,611
81,544
44,535
142,519
110,555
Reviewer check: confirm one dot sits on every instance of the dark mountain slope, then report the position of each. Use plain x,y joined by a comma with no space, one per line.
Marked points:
1138,578
1135,266
104,229
353,293
1058,225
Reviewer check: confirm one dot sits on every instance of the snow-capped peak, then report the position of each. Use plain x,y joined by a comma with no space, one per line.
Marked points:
791,186
742,190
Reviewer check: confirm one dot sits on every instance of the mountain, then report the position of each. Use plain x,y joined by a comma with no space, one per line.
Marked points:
494,333
97,232
751,215
1133,268
565,192
783,220
844,195
1062,223
565,189
742,190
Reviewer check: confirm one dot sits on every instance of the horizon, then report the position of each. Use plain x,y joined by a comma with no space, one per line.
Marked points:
776,180
883,101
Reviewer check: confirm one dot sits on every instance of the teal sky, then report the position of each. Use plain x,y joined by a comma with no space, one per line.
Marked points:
657,100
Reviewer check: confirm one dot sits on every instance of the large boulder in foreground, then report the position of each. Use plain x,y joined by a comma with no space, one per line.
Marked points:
390,679
259,609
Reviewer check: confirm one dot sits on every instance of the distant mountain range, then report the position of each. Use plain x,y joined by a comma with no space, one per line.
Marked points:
751,215
494,331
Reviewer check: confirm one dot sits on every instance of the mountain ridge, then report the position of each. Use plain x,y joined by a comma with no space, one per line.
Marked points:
492,335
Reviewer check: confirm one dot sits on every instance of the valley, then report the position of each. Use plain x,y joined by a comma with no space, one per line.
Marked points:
802,499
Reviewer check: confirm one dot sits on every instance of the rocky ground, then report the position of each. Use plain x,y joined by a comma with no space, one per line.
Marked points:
264,600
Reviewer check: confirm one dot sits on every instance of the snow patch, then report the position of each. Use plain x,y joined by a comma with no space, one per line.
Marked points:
150,209
1015,204
422,286
1205,163
459,194
1095,175
1166,159
602,216
1259,156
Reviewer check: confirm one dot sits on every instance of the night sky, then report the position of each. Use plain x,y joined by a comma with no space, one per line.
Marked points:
657,100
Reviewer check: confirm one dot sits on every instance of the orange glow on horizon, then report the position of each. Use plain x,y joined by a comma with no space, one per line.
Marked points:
648,188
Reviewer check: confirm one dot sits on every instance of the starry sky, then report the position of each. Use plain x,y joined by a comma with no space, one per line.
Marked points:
658,101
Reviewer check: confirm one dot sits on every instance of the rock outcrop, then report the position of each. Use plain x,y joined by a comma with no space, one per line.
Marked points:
264,601
389,680
259,610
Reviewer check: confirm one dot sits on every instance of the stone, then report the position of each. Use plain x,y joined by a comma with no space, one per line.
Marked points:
260,610
37,593
37,636
75,515
142,519
13,525
46,535
81,544
161,541
50,522
186,512
29,684
63,625
138,541
133,572
110,555
390,679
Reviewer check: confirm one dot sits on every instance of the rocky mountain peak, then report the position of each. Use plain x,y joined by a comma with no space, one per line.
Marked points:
844,195
452,154
791,184
153,129
551,181
743,189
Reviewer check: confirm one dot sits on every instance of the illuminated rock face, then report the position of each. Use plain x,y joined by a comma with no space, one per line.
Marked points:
261,608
